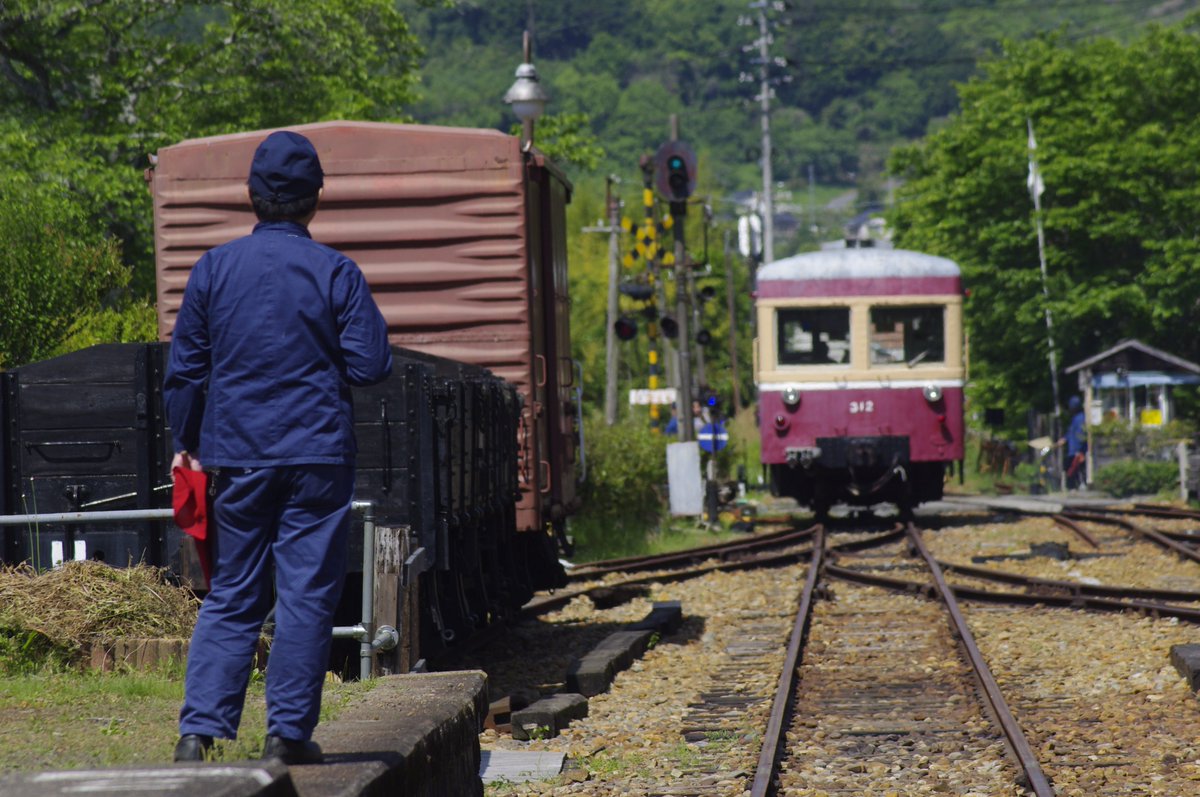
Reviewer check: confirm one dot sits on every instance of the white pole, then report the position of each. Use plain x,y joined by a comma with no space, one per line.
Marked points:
1035,188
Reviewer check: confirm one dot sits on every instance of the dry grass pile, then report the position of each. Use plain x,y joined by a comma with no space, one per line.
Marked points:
85,602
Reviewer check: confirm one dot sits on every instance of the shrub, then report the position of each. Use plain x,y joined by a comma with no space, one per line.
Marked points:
622,496
1131,477
54,267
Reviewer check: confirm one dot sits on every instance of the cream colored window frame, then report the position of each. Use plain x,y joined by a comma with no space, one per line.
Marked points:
859,367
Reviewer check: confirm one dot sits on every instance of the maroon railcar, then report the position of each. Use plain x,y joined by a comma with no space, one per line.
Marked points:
462,237
860,374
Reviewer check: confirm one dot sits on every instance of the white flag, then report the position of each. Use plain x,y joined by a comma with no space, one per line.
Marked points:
1034,181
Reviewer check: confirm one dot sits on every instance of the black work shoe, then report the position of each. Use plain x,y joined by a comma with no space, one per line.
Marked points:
293,751
193,747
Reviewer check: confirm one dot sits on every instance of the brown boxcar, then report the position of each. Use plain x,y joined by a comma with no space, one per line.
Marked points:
462,237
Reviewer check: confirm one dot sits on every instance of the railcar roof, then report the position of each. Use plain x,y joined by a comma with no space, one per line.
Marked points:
857,264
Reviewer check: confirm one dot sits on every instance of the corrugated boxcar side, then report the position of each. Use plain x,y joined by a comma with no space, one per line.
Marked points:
436,218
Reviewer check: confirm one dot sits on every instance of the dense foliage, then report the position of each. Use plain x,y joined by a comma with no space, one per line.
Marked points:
1118,145
850,80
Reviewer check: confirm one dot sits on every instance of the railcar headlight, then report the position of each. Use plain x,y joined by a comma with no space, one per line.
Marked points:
933,393
791,397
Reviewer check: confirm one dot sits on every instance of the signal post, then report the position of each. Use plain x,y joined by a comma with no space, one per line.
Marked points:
675,177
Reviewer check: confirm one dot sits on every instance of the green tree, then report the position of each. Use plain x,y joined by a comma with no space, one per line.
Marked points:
88,90
1118,146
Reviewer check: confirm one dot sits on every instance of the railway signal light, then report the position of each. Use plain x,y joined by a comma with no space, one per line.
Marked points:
669,327
625,327
704,337
675,171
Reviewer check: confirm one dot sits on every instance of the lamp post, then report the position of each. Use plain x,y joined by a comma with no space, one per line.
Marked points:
526,95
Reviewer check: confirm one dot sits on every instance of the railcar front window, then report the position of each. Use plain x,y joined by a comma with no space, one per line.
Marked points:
814,336
908,335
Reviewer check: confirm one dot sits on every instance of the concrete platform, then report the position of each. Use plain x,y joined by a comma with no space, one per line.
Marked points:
416,735
1049,504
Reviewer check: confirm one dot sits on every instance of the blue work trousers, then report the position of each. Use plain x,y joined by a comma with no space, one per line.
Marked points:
296,521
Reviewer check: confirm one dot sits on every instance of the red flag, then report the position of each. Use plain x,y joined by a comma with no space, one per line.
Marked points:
191,511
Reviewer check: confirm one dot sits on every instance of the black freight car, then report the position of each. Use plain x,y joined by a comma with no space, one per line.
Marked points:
437,458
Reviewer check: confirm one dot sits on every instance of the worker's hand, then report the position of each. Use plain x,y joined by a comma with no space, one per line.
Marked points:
185,460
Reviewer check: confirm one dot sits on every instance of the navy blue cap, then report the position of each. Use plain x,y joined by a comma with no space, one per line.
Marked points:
286,168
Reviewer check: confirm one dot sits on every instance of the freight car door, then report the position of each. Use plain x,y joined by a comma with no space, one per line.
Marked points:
535,488
563,410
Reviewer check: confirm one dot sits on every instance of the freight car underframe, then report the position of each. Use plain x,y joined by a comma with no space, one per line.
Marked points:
860,471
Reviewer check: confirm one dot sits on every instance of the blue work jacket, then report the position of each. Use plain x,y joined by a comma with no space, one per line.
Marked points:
273,330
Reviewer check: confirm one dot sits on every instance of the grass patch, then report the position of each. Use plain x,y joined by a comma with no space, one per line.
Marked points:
79,720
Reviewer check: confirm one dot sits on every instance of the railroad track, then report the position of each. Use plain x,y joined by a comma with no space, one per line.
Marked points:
889,700
883,699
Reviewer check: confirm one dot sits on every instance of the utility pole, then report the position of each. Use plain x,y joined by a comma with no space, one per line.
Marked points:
687,429
764,98
730,305
614,276
697,319
611,352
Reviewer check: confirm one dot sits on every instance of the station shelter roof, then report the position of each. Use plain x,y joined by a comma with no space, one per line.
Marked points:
1131,363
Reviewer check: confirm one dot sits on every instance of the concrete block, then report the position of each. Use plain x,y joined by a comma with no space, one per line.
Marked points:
548,716
1186,659
593,672
241,779
416,735
665,617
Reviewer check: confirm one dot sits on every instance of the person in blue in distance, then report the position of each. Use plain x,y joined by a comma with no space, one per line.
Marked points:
1076,441
273,330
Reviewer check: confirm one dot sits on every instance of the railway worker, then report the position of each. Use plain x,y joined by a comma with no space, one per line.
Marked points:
272,331
1076,441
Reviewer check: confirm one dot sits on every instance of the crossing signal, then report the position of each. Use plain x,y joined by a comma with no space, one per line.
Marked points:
669,327
704,337
626,328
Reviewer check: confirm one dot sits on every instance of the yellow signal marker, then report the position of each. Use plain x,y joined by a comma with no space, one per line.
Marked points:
647,197
653,357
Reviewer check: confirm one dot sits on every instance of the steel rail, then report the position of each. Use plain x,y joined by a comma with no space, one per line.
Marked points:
1080,531
1036,584
1096,603
635,563
1186,551
548,603
1164,511
1036,780
774,734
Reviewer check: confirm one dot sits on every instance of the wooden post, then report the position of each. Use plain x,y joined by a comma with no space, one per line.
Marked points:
395,602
